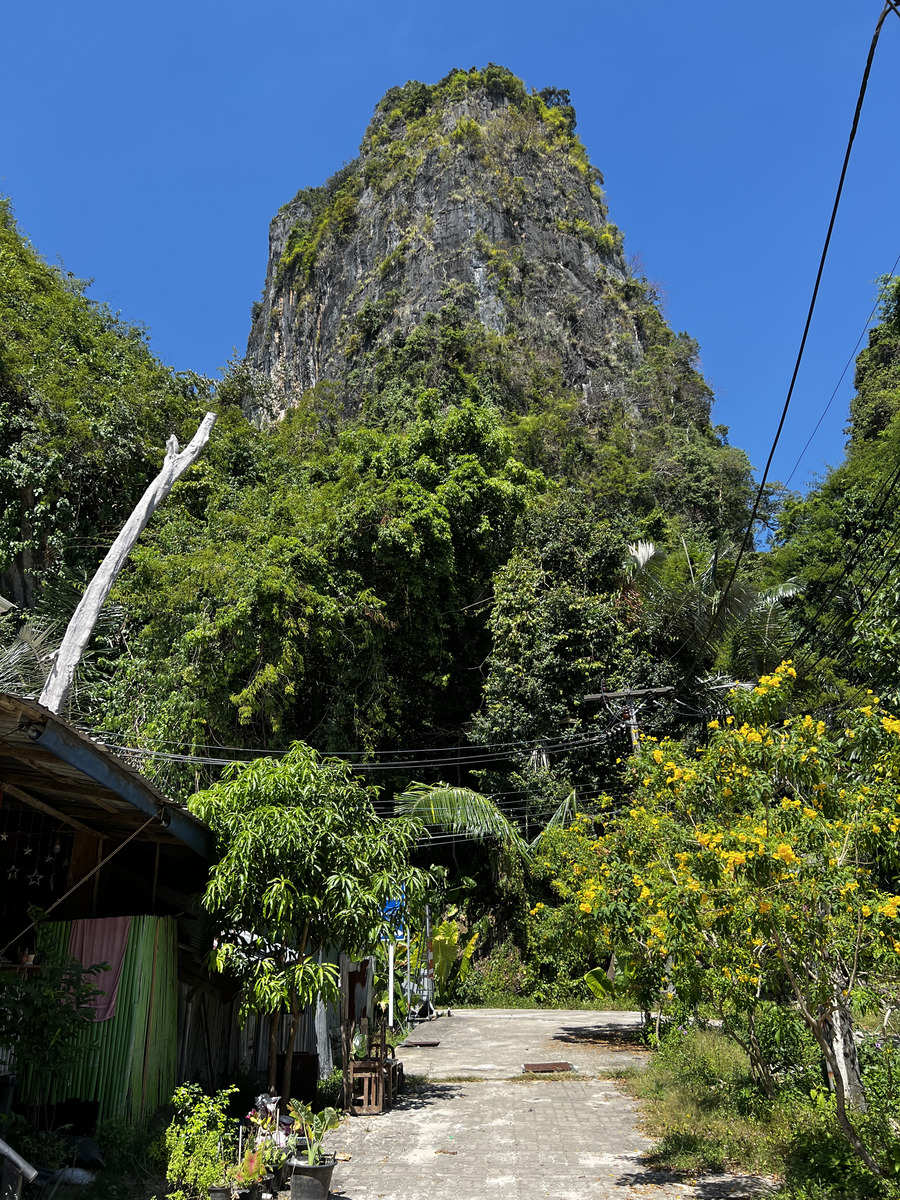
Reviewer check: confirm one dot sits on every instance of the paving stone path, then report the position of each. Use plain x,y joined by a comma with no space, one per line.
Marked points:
470,1130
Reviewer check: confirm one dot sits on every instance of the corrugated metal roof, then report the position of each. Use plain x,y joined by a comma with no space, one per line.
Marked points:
53,767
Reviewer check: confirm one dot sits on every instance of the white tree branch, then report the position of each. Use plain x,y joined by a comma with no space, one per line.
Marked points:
85,616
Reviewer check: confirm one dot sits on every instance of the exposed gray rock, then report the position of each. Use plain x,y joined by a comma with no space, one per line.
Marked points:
481,196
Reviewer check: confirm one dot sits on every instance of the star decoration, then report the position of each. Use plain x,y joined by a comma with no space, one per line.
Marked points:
13,872
4,837
27,850
49,858
35,878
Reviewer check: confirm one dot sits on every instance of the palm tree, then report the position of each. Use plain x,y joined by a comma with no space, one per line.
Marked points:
462,810
743,632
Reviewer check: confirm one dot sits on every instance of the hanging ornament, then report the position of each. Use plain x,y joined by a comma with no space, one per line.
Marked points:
34,879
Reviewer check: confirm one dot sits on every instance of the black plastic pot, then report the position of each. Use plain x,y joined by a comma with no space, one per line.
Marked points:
312,1183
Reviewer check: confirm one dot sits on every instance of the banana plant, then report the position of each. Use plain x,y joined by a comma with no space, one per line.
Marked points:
453,961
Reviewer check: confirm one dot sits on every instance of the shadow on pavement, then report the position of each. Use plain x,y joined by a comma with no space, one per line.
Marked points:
614,1036
420,1095
724,1187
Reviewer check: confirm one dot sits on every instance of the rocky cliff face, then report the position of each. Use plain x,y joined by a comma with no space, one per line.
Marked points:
472,206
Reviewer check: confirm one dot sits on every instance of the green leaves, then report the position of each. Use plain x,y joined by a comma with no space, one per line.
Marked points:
305,865
599,983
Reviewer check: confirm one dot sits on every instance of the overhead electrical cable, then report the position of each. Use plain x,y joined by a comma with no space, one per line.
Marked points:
397,765
891,482
892,565
847,367
889,6
112,739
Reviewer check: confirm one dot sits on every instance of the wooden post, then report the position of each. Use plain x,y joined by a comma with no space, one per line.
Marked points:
81,626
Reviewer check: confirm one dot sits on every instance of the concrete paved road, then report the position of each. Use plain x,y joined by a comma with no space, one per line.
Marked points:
472,1131
494,1043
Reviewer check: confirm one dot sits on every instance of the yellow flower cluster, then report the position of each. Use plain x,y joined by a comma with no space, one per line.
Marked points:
776,679
786,854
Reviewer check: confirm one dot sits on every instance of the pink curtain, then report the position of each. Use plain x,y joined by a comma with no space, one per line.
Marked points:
102,941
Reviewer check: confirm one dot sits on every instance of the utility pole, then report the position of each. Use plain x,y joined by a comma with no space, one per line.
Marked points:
629,711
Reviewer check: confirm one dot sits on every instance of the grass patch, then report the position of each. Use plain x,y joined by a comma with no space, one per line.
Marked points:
622,1073
706,1113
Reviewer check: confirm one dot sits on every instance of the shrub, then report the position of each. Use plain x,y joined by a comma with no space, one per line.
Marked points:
200,1142
495,978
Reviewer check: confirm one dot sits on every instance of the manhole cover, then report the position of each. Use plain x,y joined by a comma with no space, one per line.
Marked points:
540,1068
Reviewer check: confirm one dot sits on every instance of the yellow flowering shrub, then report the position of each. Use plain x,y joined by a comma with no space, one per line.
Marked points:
764,866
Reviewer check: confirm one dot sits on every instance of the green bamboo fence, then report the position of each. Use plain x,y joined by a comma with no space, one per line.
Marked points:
128,1063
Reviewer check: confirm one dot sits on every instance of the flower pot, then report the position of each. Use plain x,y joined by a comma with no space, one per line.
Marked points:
312,1183
296,1160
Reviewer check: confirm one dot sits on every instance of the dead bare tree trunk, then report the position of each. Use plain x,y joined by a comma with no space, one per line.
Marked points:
79,629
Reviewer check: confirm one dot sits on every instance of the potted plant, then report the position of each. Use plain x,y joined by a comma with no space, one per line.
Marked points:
249,1175
318,1166
271,1141
201,1145
277,1158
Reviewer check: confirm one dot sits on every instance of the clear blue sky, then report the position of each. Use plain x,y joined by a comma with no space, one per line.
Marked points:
148,145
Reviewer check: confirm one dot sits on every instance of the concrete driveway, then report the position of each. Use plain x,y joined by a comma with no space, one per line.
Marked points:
471,1130
495,1043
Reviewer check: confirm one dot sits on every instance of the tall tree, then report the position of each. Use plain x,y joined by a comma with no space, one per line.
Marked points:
304,866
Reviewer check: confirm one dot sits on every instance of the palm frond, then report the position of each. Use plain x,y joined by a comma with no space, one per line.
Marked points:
566,812
642,552
460,810
27,651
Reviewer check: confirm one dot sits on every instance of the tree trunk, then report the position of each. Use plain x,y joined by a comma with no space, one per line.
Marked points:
289,1052
832,1056
837,1030
84,618
274,1026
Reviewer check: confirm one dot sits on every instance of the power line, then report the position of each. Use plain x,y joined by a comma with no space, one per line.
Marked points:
553,746
872,595
847,366
548,743
890,483
889,6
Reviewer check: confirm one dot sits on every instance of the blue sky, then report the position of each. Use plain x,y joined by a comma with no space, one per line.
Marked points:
148,145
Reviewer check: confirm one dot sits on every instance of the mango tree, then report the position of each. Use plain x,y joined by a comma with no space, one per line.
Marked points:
305,865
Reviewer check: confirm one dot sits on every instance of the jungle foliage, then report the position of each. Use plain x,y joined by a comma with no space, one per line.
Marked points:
85,410
453,566
841,539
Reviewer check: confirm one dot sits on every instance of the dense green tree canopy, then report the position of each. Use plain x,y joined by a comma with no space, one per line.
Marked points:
85,411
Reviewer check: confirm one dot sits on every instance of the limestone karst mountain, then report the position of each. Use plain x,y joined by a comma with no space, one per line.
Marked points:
472,203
